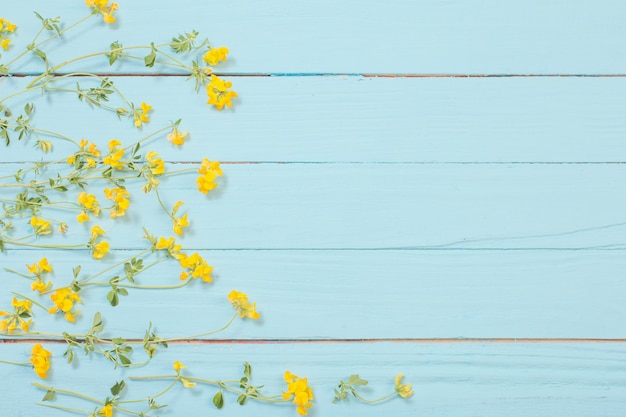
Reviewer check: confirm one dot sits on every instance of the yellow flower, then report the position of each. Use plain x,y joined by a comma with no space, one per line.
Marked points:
21,312
218,92
41,226
4,43
102,7
300,391
106,411
64,299
178,366
141,114
403,390
215,55
179,223
40,286
40,358
156,165
209,171
176,137
6,26
118,196
40,267
241,304
197,266
82,217
88,202
186,383
114,158
96,231
173,249
100,249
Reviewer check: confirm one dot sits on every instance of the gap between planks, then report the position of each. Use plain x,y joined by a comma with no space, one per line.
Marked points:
332,74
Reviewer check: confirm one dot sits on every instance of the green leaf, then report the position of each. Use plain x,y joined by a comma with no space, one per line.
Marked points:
242,399
122,291
150,58
218,400
247,369
124,360
76,271
355,380
118,387
41,54
115,52
50,396
113,298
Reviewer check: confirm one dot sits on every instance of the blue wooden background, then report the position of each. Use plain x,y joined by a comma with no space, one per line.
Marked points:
433,187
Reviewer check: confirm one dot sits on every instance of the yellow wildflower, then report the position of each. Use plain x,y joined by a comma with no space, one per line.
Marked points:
179,223
298,389
106,411
141,114
403,390
118,196
209,171
96,231
105,9
173,249
64,299
115,154
219,93
186,383
156,165
41,226
99,250
6,26
241,304
89,203
176,137
40,286
4,43
197,266
41,360
21,312
82,217
178,366
215,55
40,267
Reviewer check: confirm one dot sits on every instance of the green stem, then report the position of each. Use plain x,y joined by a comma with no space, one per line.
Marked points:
377,400
195,336
67,392
31,300
60,407
16,363
169,387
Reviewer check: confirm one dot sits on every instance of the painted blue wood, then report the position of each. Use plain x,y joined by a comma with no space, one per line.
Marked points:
354,295
335,119
282,36
376,206
458,379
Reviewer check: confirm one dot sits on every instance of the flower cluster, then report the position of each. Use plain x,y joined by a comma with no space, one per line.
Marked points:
38,269
119,196
86,156
88,203
178,222
299,390
209,171
40,226
140,114
20,317
104,8
6,27
194,266
241,304
40,358
116,152
219,92
64,299
98,248
215,55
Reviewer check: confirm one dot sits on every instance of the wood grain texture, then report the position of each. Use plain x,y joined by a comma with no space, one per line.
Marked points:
449,380
282,36
354,119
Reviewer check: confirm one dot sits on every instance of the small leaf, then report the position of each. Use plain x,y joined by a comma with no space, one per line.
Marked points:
242,399
113,298
218,400
247,369
50,396
118,387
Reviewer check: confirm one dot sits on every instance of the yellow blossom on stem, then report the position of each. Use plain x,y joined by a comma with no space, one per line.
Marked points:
215,55
40,267
4,43
104,8
95,232
403,390
141,114
114,158
119,197
298,389
64,299
178,366
41,226
176,137
40,286
155,164
21,312
197,267
179,223
241,304
219,93
6,26
106,411
99,250
40,358
209,171
173,249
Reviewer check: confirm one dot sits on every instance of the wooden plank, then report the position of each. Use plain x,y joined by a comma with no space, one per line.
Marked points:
355,295
461,37
334,119
492,379
376,206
